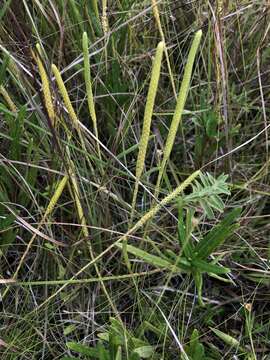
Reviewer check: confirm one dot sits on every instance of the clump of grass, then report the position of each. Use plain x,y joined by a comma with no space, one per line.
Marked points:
177,116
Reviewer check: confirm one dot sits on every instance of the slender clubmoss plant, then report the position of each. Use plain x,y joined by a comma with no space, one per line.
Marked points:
45,86
95,8
67,102
157,18
145,131
88,84
147,120
149,215
104,18
56,196
179,108
8,99
65,96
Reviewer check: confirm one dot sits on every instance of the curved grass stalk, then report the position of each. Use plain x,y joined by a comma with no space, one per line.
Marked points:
8,99
179,107
67,102
45,86
71,112
88,85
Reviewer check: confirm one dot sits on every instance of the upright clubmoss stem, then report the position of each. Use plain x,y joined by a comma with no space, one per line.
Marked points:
179,108
88,85
45,86
148,113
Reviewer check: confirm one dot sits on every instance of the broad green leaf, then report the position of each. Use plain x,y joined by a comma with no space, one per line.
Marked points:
208,267
148,258
229,340
176,264
144,352
195,350
211,124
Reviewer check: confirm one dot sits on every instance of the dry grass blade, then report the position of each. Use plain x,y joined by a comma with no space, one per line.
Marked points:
7,281
35,231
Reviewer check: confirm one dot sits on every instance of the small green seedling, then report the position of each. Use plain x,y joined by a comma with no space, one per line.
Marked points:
117,343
